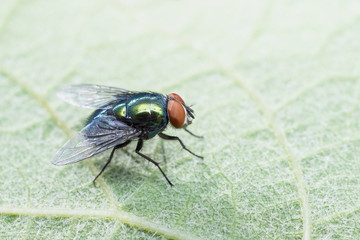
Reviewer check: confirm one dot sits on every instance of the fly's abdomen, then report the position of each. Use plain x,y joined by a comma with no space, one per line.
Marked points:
144,110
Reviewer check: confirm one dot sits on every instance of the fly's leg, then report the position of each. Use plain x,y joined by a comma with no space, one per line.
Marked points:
138,148
192,134
110,158
167,137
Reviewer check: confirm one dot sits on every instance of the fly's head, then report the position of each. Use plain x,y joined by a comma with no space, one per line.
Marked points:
180,114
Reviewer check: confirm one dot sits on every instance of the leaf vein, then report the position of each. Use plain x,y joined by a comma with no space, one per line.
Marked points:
338,215
117,215
280,135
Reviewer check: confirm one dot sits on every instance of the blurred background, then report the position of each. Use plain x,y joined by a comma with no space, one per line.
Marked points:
275,88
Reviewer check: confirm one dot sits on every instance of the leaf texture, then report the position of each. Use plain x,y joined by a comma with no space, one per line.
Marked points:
275,86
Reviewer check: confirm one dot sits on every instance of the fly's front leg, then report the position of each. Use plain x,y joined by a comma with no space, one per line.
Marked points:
138,148
167,137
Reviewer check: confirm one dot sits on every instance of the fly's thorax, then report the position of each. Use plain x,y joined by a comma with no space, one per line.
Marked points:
144,110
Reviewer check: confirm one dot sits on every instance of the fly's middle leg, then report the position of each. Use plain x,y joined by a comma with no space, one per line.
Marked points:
138,148
110,158
167,137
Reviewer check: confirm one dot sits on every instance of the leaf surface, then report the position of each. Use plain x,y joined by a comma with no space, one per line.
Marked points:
275,87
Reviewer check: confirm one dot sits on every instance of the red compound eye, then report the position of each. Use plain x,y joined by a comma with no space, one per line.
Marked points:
176,111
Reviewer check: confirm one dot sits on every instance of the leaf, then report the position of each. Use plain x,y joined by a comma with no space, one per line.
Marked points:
275,87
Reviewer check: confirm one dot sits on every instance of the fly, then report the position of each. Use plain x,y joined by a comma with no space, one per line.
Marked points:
120,117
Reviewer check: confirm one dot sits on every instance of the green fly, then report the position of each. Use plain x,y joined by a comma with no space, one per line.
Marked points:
120,117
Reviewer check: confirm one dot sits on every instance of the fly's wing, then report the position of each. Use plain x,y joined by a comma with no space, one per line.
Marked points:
92,96
99,135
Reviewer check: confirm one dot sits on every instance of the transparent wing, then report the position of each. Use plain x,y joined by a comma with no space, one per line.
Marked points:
98,136
91,96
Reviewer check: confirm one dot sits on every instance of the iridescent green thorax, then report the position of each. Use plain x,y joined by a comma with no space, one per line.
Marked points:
144,110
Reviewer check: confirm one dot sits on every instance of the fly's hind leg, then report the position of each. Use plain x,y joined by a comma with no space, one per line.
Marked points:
138,148
110,158
167,137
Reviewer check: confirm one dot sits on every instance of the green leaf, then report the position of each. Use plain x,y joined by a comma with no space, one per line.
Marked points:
275,87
